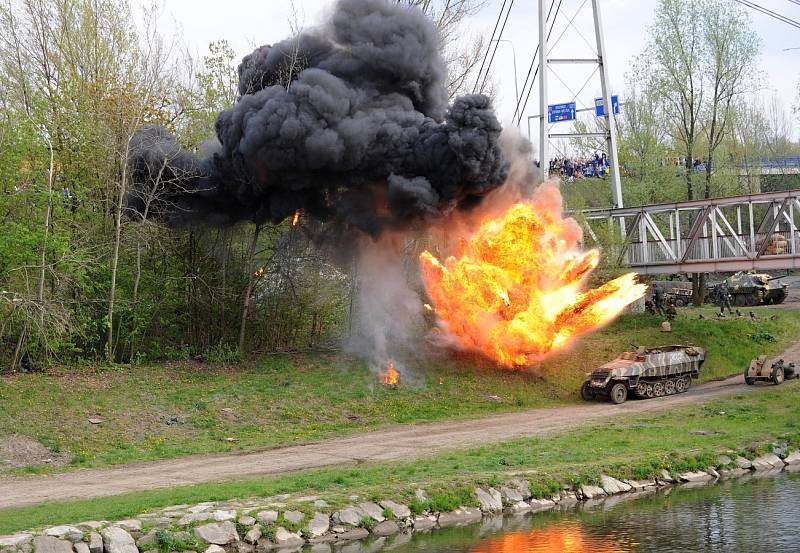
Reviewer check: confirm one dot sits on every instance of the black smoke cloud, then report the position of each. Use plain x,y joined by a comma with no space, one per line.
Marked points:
348,122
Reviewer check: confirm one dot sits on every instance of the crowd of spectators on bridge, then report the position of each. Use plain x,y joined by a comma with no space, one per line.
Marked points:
698,165
577,168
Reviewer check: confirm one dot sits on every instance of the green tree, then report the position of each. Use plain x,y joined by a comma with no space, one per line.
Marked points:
730,48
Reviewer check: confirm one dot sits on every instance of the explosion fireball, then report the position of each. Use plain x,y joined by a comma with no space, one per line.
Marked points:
513,291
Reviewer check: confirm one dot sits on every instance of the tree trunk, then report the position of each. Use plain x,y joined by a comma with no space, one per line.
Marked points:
249,289
18,349
115,256
698,288
47,214
224,288
689,169
138,270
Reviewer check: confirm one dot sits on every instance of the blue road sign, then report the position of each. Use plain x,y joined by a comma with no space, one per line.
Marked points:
599,108
561,112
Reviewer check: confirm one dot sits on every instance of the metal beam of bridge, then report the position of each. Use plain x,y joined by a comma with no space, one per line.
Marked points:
753,231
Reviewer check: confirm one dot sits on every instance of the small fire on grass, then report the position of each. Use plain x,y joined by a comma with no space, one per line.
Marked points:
391,377
296,218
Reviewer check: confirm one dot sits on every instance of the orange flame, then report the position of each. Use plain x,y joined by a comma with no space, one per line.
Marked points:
513,292
296,218
391,377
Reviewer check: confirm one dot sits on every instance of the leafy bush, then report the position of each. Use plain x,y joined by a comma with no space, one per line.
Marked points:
762,337
223,354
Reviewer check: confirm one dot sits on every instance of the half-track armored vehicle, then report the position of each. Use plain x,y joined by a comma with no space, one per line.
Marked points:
751,288
645,373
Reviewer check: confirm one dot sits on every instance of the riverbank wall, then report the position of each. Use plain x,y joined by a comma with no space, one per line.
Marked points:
286,523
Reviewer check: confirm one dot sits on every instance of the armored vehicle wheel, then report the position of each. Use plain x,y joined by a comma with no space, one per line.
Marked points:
747,380
688,380
679,302
777,375
641,389
658,389
649,392
740,300
587,394
753,299
669,387
618,393
680,385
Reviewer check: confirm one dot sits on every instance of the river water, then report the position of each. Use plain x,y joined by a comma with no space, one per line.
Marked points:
751,515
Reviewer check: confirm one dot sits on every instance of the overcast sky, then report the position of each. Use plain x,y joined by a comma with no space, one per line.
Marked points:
248,23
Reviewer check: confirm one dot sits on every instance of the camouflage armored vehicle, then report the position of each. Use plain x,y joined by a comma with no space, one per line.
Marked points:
751,288
645,373
679,291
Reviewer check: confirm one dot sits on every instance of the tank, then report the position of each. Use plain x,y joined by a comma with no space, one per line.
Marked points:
645,373
751,288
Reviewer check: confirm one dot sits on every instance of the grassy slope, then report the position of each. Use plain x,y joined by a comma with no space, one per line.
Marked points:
278,400
669,440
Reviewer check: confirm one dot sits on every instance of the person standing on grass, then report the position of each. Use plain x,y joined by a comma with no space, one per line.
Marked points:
658,299
724,299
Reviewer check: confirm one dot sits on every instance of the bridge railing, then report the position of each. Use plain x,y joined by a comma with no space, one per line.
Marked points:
752,231
651,252
783,162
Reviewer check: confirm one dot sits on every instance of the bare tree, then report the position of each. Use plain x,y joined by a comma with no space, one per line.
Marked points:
779,127
248,292
644,137
750,132
462,53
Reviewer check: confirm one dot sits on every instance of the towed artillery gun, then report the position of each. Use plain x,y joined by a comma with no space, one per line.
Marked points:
645,373
775,373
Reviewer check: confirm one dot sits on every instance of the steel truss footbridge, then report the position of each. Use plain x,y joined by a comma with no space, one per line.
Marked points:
753,231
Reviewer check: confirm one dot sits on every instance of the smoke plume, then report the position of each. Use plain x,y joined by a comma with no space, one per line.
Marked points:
348,122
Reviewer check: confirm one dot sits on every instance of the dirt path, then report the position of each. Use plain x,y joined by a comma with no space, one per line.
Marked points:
398,443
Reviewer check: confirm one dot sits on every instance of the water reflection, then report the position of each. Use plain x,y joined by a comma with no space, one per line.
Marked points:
759,514
563,537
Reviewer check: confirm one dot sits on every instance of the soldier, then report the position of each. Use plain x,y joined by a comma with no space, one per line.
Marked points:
724,299
672,313
658,299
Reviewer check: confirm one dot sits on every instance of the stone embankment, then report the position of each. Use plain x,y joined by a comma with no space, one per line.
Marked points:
285,523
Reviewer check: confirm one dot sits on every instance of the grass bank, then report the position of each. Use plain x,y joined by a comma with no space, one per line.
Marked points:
683,440
167,411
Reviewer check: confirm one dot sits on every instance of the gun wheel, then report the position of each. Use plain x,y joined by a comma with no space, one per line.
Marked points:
777,375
